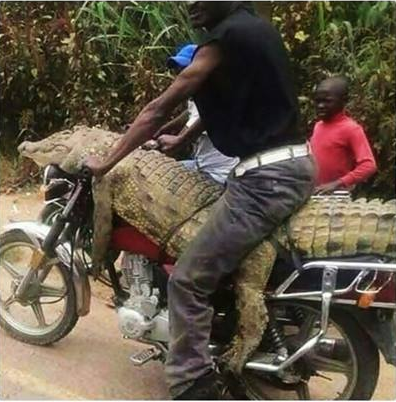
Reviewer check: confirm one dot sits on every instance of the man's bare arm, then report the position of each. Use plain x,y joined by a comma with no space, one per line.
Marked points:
154,114
189,134
170,143
174,126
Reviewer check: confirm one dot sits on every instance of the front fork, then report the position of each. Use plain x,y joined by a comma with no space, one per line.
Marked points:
37,232
42,258
37,262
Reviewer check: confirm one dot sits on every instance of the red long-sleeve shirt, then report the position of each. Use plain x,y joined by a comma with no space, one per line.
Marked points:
342,151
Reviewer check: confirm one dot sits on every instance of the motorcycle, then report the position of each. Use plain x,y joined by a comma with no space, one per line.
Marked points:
328,319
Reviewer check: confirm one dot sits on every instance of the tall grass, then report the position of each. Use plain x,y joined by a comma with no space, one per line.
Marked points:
152,27
99,62
92,62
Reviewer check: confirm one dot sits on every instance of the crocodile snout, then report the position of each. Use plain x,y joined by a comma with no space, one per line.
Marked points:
21,147
24,148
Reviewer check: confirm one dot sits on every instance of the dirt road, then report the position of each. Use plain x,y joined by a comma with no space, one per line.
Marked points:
92,362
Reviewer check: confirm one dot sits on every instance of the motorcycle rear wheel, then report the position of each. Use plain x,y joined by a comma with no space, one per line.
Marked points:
362,359
48,313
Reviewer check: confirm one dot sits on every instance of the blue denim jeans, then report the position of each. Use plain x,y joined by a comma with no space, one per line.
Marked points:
252,206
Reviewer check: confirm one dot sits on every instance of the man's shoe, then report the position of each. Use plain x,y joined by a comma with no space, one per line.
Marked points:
204,388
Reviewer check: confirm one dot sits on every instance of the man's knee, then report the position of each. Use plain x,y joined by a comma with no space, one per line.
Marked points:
193,278
180,279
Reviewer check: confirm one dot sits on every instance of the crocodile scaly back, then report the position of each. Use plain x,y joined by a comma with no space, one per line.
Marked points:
157,195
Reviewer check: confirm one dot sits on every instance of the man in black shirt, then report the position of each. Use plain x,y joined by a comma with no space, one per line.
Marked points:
240,81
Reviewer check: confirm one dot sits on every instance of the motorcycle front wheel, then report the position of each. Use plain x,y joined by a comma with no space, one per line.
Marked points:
344,366
47,311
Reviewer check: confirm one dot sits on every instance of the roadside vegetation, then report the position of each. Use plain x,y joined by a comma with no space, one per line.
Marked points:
65,63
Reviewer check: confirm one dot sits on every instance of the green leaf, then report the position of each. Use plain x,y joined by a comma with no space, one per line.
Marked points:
301,36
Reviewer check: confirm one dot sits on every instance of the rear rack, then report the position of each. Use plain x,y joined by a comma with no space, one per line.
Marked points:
325,295
365,268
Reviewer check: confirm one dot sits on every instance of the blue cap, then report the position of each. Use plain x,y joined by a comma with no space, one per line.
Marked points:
183,57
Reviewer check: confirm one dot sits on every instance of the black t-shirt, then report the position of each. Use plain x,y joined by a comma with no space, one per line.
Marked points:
248,103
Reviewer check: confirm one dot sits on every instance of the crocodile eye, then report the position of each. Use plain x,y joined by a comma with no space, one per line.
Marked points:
61,148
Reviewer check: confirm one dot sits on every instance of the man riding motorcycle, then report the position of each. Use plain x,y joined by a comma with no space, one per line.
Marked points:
240,81
330,312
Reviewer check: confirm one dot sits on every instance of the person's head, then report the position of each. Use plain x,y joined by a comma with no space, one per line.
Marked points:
330,97
207,14
182,58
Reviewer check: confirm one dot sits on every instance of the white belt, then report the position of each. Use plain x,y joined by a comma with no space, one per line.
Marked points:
273,156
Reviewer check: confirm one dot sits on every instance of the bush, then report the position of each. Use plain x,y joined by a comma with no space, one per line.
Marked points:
96,62
65,63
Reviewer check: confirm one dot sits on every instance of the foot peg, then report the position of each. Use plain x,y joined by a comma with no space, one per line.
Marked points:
140,358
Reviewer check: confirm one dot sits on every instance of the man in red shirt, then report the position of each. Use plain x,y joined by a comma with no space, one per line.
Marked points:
339,143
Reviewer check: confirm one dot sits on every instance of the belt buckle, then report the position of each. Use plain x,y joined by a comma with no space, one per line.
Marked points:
239,171
292,154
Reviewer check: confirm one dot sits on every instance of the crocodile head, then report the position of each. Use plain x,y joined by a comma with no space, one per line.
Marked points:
57,147
52,149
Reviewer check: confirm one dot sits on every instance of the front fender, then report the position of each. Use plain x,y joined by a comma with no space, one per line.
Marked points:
37,232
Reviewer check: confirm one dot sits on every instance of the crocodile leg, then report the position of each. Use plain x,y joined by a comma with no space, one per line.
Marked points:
102,221
251,279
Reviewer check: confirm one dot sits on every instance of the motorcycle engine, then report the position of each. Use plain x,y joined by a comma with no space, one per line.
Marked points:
140,315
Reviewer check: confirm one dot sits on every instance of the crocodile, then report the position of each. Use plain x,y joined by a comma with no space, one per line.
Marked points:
169,204
56,147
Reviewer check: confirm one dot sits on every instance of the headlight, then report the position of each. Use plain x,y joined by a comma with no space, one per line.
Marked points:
56,183
56,189
55,172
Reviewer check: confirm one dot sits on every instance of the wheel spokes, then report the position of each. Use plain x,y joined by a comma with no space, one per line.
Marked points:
321,363
50,291
7,303
307,327
303,391
42,275
10,269
38,312
327,371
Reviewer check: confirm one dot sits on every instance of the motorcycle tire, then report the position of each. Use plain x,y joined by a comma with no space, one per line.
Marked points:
367,355
63,325
364,349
